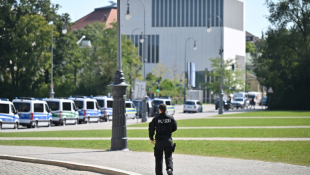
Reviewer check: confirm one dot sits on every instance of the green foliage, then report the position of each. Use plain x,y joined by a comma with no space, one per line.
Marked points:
230,78
285,60
25,49
250,47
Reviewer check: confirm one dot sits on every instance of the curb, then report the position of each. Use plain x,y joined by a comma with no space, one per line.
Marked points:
70,165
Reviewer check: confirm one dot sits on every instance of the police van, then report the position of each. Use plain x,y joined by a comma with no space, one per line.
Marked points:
167,102
88,109
106,107
131,111
33,112
63,111
8,115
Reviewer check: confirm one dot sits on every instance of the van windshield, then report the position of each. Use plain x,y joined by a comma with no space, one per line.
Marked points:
158,102
79,104
66,106
101,103
53,105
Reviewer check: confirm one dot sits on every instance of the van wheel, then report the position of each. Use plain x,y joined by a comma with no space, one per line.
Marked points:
77,121
0,126
36,124
88,120
64,122
98,120
16,125
50,124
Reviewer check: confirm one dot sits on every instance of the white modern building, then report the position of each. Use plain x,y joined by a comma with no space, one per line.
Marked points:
170,23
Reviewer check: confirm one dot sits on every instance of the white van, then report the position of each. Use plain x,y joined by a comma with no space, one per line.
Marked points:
106,107
88,109
8,115
167,102
63,112
33,112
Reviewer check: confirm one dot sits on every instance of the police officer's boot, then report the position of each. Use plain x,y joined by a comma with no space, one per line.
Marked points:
169,172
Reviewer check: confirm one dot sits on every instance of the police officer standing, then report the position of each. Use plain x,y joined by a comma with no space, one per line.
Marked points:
164,126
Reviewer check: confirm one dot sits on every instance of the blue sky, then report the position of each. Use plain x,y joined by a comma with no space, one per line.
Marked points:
255,14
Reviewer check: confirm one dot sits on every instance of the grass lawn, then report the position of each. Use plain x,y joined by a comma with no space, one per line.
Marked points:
270,114
287,152
239,122
291,132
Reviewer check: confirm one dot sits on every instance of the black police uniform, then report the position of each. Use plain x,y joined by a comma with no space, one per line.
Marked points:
164,126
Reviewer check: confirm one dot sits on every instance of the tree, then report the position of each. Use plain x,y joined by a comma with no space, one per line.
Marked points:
250,47
24,27
285,60
230,78
160,71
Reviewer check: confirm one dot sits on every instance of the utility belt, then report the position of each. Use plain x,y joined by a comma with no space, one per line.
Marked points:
162,137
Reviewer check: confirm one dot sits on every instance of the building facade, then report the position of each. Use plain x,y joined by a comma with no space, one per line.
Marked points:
170,26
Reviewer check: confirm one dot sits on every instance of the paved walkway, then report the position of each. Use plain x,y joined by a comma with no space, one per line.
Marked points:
143,162
175,138
9,167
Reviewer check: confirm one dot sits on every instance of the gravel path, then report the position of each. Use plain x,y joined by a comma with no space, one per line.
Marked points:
143,163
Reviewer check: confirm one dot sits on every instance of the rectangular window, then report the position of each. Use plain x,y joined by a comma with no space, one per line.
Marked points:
174,13
170,13
221,12
157,48
153,13
179,14
109,104
4,108
187,13
168,103
213,13
217,13
66,106
200,13
209,13
90,105
157,13
204,13
153,49
166,13
38,107
140,46
183,13
195,12
149,48
191,13
162,13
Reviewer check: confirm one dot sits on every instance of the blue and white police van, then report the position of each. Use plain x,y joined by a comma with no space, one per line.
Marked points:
88,108
106,106
33,112
8,115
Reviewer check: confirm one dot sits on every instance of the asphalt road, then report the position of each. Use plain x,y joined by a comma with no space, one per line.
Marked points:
208,111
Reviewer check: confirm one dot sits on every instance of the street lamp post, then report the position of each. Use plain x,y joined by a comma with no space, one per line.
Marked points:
128,17
185,69
131,66
119,130
64,31
209,29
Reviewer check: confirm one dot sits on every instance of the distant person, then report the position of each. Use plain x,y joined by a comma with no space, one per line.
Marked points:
252,102
164,125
